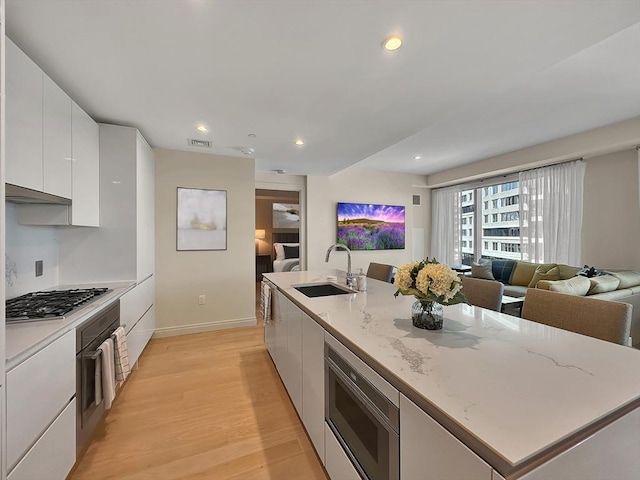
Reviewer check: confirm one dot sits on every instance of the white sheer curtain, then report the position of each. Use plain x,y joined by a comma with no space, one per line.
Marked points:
445,224
551,213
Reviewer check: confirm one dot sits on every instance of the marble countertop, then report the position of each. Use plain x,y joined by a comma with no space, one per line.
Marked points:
22,340
511,389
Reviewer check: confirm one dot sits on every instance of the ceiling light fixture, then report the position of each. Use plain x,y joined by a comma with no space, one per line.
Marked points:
392,43
417,157
202,129
299,142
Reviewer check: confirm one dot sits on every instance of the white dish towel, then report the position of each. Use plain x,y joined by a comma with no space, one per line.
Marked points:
265,302
108,373
121,355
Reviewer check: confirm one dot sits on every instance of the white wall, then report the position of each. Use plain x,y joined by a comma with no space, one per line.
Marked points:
226,277
359,185
611,218
25,245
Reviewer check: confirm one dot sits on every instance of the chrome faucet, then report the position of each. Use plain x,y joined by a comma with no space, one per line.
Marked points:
351,278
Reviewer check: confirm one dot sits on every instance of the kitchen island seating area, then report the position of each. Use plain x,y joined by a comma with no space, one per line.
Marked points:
606,320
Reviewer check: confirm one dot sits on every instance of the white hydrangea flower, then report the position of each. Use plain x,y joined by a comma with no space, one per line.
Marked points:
402,278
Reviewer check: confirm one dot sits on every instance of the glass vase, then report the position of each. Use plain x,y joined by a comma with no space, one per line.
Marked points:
426,314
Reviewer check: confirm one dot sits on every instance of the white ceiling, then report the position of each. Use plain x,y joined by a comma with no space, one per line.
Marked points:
473,79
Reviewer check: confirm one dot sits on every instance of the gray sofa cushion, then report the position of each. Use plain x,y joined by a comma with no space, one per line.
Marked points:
603,284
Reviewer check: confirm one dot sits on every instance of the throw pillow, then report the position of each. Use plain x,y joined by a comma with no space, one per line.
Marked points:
573,286
567,271
544,273
502,269
482,270
603,284
291,252
524,271
627,279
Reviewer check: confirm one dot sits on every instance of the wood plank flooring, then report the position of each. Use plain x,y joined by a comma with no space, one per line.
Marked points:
202,406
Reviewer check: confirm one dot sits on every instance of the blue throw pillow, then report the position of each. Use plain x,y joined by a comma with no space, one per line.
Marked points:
502,269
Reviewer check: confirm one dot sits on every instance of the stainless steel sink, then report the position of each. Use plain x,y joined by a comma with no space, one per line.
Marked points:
322,289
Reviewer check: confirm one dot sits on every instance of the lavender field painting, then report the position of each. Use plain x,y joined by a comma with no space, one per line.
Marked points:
363,226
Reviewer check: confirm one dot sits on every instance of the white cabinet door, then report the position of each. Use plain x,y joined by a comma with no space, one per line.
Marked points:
313,382
53,455
56,138
37,391
23,115
612,452
145,173
338,465
294,355
140,334
429,452
280,333
85,170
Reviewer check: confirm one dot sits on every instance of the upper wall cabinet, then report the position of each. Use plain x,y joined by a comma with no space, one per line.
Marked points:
52,146
56,140
85,170
23,115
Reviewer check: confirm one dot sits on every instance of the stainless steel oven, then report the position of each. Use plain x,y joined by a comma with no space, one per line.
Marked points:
363,419
89,336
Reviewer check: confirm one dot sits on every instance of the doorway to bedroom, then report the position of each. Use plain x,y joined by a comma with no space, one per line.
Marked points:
277,231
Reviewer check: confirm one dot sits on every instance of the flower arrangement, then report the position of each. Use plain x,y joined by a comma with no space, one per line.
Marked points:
429,281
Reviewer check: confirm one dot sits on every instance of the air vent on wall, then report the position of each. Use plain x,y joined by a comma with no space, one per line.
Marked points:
194,142
416,199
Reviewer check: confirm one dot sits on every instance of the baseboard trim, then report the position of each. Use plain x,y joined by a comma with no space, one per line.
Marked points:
203,327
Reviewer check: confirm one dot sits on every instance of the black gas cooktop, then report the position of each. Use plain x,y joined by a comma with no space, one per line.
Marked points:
49,305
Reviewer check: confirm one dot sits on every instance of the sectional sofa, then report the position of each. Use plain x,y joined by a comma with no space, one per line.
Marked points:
518,276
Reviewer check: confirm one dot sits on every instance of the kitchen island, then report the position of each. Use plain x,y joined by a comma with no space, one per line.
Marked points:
518,394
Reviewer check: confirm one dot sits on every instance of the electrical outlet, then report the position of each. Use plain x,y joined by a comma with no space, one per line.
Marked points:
202,299
38,268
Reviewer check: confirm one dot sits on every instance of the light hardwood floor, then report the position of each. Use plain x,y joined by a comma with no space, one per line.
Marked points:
202,406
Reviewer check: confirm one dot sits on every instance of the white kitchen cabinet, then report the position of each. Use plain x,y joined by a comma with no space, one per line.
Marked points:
293,375
338,465
313,382
38,389
428,451
140,334
54,454
23,120
56,139
126,237
137,313
612,452
85,169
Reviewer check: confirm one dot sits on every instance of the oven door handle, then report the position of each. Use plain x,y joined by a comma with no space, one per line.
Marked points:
368,404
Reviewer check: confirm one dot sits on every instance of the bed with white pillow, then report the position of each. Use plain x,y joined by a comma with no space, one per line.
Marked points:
287,257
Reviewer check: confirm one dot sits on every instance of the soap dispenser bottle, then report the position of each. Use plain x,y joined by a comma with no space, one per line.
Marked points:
361,281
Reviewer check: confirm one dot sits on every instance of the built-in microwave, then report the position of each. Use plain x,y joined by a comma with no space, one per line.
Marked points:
364,421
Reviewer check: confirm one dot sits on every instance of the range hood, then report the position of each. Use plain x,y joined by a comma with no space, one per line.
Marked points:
22,195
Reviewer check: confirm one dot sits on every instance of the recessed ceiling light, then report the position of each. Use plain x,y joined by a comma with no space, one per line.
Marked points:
417,157
252,135
202,129
391,43
299,142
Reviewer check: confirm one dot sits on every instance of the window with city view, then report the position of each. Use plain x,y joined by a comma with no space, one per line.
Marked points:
495,231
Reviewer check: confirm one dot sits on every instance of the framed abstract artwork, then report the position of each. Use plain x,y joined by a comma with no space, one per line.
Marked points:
201,219
286,215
